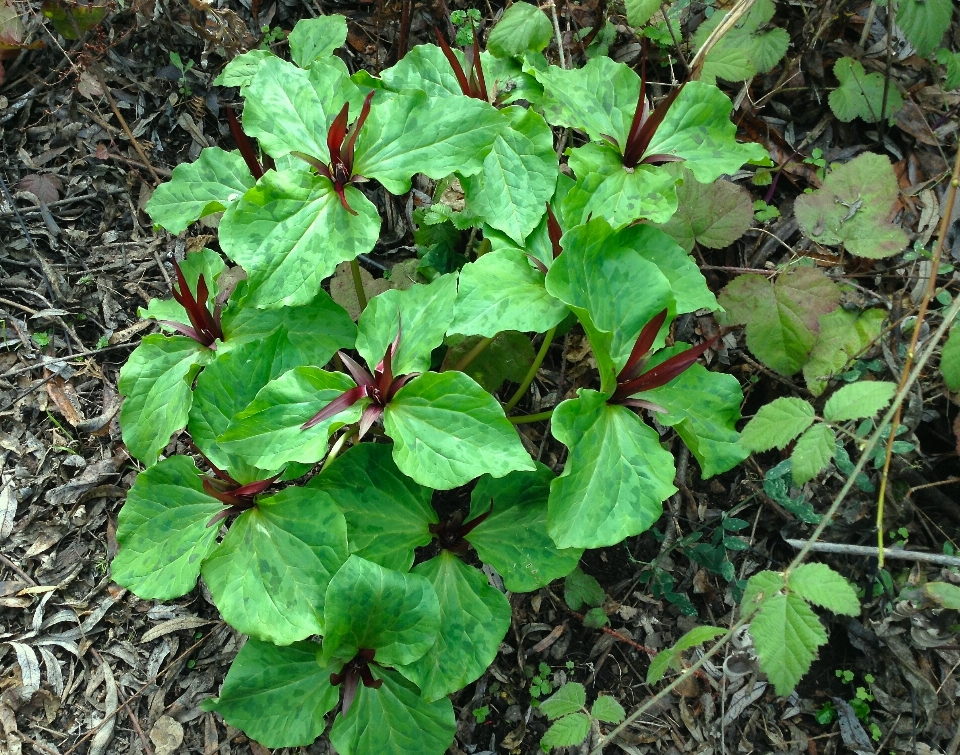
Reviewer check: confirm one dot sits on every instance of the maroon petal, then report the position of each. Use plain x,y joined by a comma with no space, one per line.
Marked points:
470,526
360,375
640,403
226,498
454,63
663,373
398,383
344,401
370,415
645,340
538,262
244,144
182,329
338,130
555,232
322,169
341,193
661,157
481,90
219,516
351,680
355,129
255,488
636,146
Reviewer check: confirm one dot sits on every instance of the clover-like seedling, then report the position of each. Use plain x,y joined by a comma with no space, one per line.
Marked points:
206,328
475,86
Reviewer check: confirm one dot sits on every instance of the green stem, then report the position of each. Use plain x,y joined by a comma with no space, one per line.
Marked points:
358,285
476,351
532,372
339,444
531,417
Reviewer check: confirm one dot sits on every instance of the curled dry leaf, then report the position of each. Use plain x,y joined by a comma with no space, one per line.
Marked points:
45,187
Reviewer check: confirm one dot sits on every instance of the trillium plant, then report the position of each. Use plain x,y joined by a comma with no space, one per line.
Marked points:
307,504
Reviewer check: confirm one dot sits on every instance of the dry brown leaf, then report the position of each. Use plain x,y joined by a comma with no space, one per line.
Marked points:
45,187
173,625
65,397
166,735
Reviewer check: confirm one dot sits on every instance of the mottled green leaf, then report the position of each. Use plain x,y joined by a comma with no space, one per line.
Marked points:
315,38
580,590
522,28
425,68
712,215
508,357
240,71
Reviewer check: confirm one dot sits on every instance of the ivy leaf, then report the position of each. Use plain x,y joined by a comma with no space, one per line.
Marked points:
367,606
216,179
425,68
270,574
859,400
786,634
162,531
950,360
508,357
822,586
412,133
422,311
843,336
639,12
670,656
570,698
853,208
268,434
502,290
776,424
924,22
240,71
277,695
156,383
606,708
474,618
388,514
752,46
860,94
448,430
315,38
782,319
615,479
581,589
204,262
393,720
522,28
814,450
566,732
291,231
712,215
514,539
519,174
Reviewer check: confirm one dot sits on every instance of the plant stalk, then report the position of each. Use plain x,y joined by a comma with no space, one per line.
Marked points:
476,351
526,418
532,372
339,444
358,285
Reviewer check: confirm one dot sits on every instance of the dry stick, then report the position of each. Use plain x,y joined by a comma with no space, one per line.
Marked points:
729,21
881,126
559,36
865,550
834,507
673,36
927,296
51,360
20,572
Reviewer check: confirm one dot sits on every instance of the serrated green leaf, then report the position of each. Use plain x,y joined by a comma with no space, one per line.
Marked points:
950,360
615,479
240,71
393,720
474,618
822,586
607,709
425,68
522,28
388,514
568,731
447,430
812,453
776,424
208,185
924,22
581,589
944,593
860,94
640,11
277,695
852,208
668,657
367,606
570,698
290,232
782,319
752,46
952,61
514,539
270,574
315,38
156,383
786,634
858,400
423,312
162,531
268,434
713,215
203,262
843,336
760,587
595,618
508,357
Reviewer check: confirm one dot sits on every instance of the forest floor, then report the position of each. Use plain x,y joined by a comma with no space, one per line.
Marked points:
78,257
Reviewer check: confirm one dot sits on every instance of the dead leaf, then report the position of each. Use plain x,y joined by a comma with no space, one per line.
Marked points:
91,477
8,509
173,625
344,292
166,735
65,397
45,187
89,87
105,735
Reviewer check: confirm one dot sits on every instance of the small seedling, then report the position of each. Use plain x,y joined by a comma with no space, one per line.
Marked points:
184,69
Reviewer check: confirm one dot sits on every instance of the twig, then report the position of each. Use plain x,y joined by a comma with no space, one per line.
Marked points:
729,21
20,572
673,36
78,355
865,550
559,36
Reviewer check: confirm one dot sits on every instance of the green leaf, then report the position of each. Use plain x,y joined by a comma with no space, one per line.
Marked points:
776,424
412,133
204,262
508,357
924,22
581,589
812,453
639,12
786,634
448,430
669,657
514,539
388,514
522,28
474,618
704,408
162,531
568,731
843,336
782,319
156,383
240,71
860,94
570,698
268,432
367,606
607,709
423,312
853,208
290,232
393,720
504,291
425,68
822,586
858,400
270,574
752,46
615,479
950,360
944,593
277,695
519,174
215,180
315,38
761,586
952,61
712,215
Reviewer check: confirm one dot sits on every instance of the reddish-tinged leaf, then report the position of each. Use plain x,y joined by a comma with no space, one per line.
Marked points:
322,169
255,488
344,401
639,403
480,90
397,384
475,522
244,144
538,262
185,330
644,341
661,157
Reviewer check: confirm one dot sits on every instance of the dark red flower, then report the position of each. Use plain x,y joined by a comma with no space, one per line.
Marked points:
452,532
235,497
475,86
206,326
